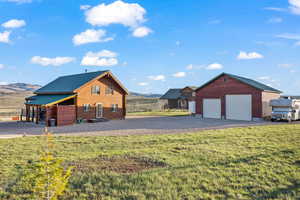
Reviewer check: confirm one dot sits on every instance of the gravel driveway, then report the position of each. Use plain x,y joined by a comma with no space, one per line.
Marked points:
130,126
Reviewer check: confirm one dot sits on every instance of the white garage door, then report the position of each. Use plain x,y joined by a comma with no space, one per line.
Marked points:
212,108
239,107
192,107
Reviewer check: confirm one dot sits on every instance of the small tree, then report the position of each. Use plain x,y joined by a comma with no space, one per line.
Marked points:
47,178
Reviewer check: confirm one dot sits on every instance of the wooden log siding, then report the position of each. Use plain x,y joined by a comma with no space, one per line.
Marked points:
51,113
66,115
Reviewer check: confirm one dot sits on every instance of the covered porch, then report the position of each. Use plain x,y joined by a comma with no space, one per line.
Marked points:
60,109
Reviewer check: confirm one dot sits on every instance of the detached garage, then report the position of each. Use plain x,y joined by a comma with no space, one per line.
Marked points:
233,97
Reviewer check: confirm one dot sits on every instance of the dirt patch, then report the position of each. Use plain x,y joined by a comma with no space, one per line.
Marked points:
119,164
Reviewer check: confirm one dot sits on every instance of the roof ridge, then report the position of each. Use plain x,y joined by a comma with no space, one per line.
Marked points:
84,73
251,82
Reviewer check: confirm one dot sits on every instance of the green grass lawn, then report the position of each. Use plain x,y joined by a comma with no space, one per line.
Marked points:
160,113
241,163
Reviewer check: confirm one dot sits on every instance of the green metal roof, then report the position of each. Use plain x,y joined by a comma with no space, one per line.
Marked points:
46,99
67,84
172,94
247,81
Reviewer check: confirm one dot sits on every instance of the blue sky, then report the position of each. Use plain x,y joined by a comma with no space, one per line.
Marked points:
151,45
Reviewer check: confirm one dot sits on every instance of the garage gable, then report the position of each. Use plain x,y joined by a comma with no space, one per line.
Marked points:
226,78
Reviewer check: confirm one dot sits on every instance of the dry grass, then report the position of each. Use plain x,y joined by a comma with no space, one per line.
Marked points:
11,104
260,163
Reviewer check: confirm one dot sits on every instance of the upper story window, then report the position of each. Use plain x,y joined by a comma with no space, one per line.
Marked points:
95,89
109,89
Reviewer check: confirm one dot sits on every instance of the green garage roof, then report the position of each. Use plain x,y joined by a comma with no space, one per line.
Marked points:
48,99
67,84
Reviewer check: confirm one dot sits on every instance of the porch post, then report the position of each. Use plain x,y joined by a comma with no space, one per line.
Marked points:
32,114
37,115
27,113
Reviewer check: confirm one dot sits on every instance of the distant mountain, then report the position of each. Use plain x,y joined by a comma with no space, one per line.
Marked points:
14,88
145,95
17,88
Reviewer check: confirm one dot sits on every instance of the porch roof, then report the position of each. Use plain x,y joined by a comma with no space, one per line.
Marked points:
48,100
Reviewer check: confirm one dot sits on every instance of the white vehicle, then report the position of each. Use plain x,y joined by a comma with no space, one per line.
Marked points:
285,109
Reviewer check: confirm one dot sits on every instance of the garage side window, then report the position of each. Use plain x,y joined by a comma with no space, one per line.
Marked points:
114,107
96,89
86,107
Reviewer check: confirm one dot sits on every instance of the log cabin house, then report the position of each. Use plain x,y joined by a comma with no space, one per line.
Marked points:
92,96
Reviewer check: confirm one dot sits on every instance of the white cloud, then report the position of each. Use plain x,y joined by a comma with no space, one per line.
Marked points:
91,36
295,6
85,7
19,1
103,58
264,78
178,43
275,9
14,23
290,36
118,12
190,67
268,43
57,61
3,83
141,31
248,56
179,74
286,65
4,37
143,84
1,66
157,78
275,20
269,81
214,66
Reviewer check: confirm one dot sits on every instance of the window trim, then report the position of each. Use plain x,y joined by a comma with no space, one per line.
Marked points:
114,107
86,108
109,89
96,90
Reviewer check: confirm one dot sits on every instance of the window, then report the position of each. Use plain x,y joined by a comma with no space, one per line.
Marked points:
86,107
109,89
95,89
114,107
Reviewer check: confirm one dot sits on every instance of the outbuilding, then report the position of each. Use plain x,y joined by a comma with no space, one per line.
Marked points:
232,97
